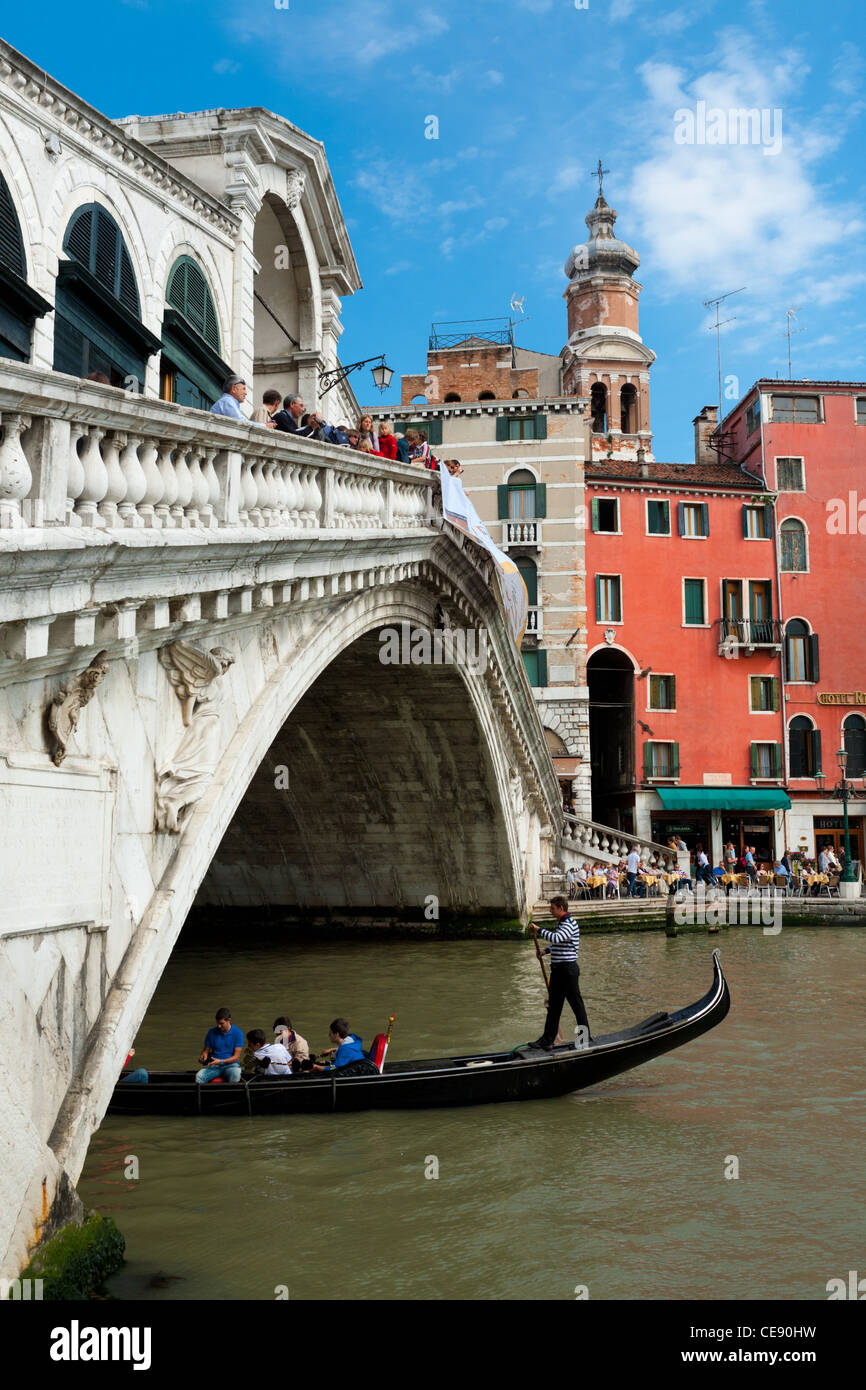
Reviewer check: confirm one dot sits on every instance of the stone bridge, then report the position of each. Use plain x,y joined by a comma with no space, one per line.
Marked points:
194,708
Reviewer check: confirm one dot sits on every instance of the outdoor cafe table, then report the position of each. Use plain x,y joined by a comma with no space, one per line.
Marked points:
812,879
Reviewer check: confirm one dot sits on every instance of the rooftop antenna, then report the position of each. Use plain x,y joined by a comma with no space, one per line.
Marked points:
716,328
791,313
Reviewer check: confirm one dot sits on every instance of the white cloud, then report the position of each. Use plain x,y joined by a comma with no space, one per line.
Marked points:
226,65
398,267
493,77
383,34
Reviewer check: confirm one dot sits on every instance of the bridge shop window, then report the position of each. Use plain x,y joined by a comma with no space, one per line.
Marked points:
521,498
20,306
520,427
97,325
757,521
797,410
804,747
191,369
605,515
854,736
658,517
765,761
801,652
792,547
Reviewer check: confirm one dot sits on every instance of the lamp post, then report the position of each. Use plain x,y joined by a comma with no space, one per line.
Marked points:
381,374
843,791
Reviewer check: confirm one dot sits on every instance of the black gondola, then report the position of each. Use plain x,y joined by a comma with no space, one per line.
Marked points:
526,1073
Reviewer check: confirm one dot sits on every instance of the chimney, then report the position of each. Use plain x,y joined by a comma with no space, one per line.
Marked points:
704,424
641,458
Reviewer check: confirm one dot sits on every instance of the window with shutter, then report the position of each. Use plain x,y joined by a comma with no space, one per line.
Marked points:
541,499
658,520
693,602
188,292
11,241
792,547
94,239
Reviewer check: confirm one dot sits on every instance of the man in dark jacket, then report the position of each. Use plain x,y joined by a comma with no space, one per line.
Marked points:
289,418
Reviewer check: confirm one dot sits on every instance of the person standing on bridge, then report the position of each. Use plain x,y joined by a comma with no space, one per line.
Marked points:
564,971
222,1050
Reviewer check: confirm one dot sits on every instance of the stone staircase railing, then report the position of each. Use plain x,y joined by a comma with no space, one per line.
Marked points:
601,843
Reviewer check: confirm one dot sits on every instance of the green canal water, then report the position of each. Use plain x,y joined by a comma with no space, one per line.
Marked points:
621,1188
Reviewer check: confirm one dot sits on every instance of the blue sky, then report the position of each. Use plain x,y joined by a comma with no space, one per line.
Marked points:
528,94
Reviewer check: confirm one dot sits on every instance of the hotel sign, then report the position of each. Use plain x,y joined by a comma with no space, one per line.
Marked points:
843,697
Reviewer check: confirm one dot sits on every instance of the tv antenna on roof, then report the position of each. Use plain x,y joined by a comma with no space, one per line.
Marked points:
716,328
791,313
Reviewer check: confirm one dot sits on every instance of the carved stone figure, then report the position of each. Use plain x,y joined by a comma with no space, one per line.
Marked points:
294,188
65,708
196,677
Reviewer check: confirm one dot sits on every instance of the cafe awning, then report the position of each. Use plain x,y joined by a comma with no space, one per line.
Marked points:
724,798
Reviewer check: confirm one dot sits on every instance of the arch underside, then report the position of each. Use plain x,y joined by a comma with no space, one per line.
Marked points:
391,800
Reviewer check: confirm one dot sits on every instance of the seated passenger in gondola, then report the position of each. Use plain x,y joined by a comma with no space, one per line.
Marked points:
273,1058
297,1047
221,1053
348,1052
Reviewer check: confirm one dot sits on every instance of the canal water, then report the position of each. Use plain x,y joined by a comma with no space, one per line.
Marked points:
621,1189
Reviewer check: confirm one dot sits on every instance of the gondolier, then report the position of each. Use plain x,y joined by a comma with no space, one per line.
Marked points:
564,944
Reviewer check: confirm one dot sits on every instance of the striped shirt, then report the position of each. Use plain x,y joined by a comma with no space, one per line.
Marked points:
564,941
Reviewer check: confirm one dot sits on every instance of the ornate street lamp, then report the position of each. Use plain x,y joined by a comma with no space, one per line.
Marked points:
843,791
381,374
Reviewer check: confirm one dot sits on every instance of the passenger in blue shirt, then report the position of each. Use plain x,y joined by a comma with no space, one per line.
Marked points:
222,1050
348,1047
229,403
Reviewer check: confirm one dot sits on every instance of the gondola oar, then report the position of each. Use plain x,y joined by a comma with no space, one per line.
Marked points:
559,1038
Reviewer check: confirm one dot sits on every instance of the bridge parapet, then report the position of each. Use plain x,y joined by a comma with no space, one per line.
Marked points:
590,841
82,455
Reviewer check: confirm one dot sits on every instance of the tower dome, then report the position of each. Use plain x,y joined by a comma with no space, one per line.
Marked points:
602,251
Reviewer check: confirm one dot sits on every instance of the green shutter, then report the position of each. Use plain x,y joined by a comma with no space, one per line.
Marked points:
776,692
501,427
598,617
540,500
541,427
681,518
654,691
768,520
502,501
705,518
745,521
776,763
755,683
753,749
694,596
647,761
816,750
542,667
595,513
672,704
435,434
814,664
675,760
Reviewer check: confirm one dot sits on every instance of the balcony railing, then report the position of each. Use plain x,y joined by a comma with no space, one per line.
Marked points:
533,623
749,632
526,531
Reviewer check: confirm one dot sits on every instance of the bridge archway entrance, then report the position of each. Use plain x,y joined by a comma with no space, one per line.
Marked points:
610,677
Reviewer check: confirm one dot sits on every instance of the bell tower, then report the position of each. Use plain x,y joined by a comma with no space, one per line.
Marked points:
605,357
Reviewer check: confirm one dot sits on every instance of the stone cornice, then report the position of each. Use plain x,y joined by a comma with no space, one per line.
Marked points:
106,138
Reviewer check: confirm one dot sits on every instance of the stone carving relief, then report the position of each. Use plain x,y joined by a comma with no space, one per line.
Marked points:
197,680
294,188
66,707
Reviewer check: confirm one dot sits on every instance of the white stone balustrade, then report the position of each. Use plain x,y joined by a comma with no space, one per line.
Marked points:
603,843
82,455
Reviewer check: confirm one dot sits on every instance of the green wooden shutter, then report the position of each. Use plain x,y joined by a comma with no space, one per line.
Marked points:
11,241
768,520
745,521
814,663
542,667
681,518
675,760
502,501
694,596
654,692
541,427
816,750
753,750
595,513
755,700
435,431
705,518
501,428
598,617
540,500
673,692
776,764
776,693
647,761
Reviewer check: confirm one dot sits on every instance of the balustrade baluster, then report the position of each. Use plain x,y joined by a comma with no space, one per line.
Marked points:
116,489
210,507
95,478
184,486
16,478
163,507
74,473
135,480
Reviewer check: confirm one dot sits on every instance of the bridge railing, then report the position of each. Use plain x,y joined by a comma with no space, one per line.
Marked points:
80,454
604,843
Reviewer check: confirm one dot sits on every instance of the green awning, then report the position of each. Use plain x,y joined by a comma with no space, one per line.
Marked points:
724,798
